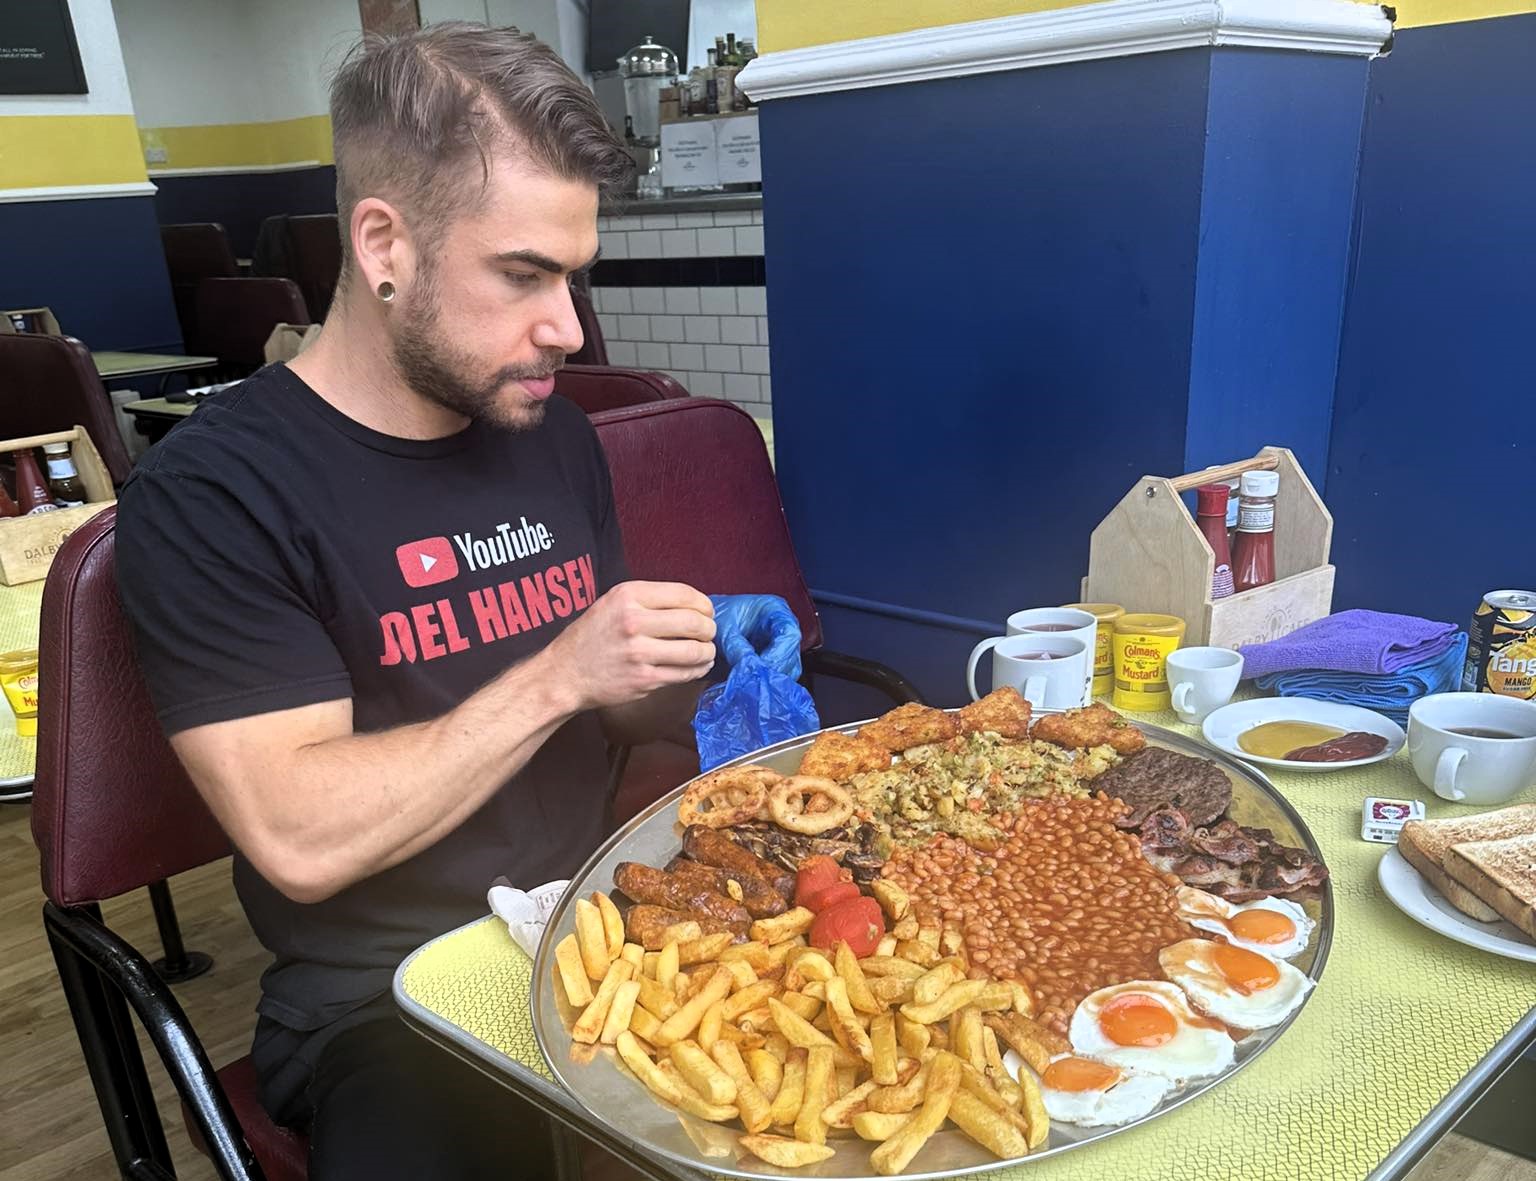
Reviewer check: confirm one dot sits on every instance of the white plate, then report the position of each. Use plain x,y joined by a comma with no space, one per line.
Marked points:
1224,726
1420,901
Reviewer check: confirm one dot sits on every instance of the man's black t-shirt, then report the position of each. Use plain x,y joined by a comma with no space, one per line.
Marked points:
273,553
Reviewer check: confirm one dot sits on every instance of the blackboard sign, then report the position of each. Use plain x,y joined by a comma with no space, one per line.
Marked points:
38,53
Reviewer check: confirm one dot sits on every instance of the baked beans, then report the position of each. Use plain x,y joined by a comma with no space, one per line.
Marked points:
1065,903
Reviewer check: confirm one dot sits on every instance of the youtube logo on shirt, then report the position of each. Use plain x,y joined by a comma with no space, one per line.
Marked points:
427,562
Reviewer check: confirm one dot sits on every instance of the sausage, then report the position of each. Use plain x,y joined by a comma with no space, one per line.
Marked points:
646,925
656,887
761,900
713,847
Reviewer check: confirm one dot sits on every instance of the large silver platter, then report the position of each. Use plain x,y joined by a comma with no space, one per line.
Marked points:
605,1088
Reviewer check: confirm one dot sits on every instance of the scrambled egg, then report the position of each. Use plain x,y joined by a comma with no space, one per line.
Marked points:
955,786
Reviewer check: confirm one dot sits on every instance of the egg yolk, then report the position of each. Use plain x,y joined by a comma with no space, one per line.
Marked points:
1136,1019
1079,1074
1261,926
1246,971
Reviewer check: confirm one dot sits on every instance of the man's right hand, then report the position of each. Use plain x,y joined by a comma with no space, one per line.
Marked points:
637,638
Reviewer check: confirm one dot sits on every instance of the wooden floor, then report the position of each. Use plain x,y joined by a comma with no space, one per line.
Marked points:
50,1128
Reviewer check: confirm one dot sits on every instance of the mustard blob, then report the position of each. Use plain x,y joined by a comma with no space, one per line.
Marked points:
1275,740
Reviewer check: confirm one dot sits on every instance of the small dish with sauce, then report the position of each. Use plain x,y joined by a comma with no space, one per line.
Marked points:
1268,729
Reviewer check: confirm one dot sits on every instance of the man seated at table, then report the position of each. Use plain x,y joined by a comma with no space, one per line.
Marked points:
380,593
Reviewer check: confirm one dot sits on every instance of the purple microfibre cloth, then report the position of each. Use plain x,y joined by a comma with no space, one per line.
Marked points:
1367,642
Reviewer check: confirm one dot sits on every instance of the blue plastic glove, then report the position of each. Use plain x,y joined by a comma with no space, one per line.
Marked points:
761,701
760,625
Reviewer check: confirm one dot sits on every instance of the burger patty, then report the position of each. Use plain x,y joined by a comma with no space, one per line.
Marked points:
1156,778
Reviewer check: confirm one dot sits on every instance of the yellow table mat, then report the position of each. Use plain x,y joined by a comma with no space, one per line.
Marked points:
20,607
1401,1015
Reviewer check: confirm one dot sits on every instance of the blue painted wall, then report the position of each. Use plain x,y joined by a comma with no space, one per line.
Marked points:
97,263
241,200
999,300
1275,215
1434,434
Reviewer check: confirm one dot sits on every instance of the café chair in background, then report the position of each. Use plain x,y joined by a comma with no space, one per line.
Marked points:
112,810
596,388
698,503
195,251
236,316
50,383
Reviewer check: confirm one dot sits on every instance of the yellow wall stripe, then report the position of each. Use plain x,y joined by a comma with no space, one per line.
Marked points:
235,145
1412,14
796,24
40,151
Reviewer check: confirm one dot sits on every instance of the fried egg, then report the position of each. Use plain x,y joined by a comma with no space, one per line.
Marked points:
1094,1094
1276,927
1148,1026
1233,984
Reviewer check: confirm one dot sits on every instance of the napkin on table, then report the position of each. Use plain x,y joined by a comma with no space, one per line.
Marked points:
526,912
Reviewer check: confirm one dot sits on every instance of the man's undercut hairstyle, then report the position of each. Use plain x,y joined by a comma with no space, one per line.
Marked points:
411,115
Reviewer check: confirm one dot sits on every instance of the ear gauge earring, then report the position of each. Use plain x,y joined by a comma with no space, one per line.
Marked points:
386,291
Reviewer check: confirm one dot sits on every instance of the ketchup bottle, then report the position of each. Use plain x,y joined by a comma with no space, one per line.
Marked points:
1253,557
1211,516
31,490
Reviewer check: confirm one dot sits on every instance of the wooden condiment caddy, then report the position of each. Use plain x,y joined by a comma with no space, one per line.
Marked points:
27,544
1149,555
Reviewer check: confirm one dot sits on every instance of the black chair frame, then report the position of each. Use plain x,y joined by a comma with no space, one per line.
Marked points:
103,976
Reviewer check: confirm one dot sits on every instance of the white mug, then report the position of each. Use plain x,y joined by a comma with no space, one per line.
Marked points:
1060,621
1467,767
1202,680
1046,669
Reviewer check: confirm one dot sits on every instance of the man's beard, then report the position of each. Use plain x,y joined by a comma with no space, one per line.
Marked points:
441,373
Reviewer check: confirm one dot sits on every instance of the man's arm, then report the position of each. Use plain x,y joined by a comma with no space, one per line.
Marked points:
316,807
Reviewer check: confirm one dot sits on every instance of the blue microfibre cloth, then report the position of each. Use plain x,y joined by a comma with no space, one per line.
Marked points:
1364,642
1388,693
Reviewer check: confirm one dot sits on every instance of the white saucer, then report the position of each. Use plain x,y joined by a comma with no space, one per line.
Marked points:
1224,726
1420,901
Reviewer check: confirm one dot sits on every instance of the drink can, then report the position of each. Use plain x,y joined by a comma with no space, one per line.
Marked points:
1501,645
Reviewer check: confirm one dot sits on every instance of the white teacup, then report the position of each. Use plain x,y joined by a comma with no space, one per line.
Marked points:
1046,669
1060,621
1474,748
1202,680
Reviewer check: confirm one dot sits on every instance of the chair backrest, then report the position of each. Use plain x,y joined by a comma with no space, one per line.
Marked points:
235,316
698,502
50,383
112,809
194,251
315,251
596,388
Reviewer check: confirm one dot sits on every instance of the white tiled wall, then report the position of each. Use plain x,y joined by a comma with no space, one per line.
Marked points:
712,339
682,235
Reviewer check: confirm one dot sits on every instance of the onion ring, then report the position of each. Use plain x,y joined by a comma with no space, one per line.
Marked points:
727,797
809,804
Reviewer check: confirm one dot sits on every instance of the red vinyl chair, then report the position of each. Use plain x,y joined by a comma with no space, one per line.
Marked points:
50,383
698,503
596,388
235,317
112,810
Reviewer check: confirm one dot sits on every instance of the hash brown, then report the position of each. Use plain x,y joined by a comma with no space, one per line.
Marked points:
1003,712
841,756
1093,725
910,725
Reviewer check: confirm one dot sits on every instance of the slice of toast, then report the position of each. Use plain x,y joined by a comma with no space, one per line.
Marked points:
1424,844
1502,873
